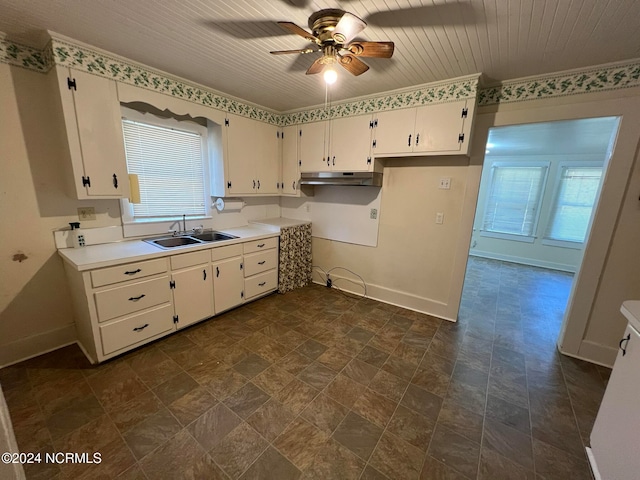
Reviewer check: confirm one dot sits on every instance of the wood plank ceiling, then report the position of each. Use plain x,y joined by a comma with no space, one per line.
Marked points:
225,44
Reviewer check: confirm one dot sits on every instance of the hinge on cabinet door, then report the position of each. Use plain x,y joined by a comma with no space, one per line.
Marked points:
86,182
71,83
461,138
172,284
375,123
175,319
226,122
241,266
374,144
299,163
371,124
228,184
368,160
465,110
281,134
278,133
300,132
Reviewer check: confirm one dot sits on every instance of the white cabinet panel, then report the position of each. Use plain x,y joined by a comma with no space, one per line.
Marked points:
241,154
131,297
261,284
350,144
615,438
193,294
136,329
439,126
259,262
394,131
228,284
267,161
313,147
128,271
94,133
290,159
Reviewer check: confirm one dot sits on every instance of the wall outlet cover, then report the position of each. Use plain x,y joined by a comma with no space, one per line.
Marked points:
86,213
374,214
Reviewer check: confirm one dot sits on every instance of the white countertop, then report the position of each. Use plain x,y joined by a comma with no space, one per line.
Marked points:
109,254
631,310
281,222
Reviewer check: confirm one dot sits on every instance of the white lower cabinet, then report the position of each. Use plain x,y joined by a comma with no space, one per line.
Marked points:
615,438
121,307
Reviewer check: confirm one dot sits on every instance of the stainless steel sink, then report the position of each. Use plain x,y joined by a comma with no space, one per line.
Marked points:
213,236
184,240
170,242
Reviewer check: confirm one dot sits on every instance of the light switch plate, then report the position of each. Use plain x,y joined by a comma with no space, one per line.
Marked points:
445,183
439,218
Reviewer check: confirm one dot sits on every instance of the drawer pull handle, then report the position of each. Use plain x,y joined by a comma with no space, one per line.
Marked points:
133,272
138,329
262,262
204,274
624,349
135,299
262,284
260,245
217,272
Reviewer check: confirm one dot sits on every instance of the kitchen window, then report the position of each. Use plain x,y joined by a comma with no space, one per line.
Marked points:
513,201
576,195
169,158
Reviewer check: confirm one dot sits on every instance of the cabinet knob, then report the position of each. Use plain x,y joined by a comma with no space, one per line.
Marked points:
334,161
293,185
625,340
115,181
258,184
254,184
409,144
417,139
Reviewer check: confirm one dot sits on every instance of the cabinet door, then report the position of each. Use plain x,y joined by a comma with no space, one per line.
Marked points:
94,133
267,160
351,144
290,170
242,149
439,126
228,284
193,294
313,147
394,132
616,432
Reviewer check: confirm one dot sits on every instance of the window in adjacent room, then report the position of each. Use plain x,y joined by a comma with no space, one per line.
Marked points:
575,198
170,160
513,200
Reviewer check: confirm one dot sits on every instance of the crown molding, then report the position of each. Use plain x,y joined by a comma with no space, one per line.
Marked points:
70,53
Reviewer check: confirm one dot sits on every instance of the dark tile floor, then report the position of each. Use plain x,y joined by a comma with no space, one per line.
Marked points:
316,384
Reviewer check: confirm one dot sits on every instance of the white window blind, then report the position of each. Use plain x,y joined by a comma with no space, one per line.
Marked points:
575,199
514,198
169,165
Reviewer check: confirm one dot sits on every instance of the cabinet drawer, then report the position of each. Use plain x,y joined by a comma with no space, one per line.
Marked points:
259,245
260,262
220,253
128,271
189,259
259,284
132,297
136,328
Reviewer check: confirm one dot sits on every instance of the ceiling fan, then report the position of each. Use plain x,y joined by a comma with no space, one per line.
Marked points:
333,32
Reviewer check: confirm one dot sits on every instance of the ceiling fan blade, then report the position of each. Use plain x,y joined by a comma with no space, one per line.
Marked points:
300,51
293,28
353,64
316,67
347,28
371,49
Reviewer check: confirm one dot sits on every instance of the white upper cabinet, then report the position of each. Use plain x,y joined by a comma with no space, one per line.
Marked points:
439,129
290,161
92,120
350,144
313,146
252,159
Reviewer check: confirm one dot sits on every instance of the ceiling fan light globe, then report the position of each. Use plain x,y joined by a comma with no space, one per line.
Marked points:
330,76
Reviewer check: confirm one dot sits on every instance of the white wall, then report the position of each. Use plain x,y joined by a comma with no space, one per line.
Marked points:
535,253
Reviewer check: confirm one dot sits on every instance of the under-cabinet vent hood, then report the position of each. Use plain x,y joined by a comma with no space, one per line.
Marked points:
358,179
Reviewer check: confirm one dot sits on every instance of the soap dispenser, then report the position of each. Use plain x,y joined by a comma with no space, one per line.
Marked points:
77,235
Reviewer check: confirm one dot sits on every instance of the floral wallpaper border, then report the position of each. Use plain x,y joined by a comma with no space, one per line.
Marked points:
594,79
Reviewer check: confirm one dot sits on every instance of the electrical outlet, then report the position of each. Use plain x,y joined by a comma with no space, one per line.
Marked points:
86,213
307,208
445,183
374,214
439,218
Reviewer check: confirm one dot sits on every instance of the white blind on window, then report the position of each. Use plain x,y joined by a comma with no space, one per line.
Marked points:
170,171
514,199
574,203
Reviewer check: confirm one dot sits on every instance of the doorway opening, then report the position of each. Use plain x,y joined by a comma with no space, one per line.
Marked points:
539,189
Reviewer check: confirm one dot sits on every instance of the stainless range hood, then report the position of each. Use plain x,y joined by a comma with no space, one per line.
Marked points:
359,179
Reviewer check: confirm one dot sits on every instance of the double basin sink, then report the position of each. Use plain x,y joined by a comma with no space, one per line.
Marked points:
183,240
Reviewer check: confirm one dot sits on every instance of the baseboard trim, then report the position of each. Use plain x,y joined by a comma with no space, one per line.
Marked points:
593,353
35,345
524,261
593,464
392,297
